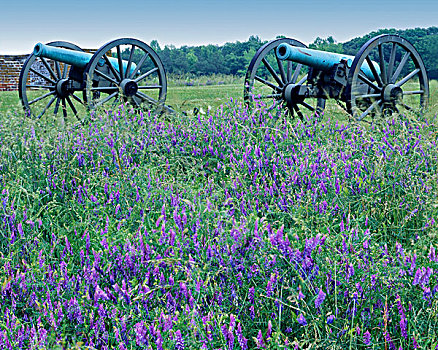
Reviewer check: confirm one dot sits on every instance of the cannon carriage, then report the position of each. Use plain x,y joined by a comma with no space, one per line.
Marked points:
61,78
386,76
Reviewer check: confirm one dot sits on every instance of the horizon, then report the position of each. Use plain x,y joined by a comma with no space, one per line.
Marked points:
191,23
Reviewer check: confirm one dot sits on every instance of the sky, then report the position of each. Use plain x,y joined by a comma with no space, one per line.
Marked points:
90,24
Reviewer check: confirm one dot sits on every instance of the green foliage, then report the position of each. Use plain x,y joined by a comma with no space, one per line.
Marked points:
428,47
328,44
234,58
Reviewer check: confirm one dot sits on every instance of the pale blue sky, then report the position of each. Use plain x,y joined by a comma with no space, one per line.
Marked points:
90,24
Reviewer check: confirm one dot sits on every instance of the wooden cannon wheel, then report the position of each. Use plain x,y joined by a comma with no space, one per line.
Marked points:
140,80
41,86
269,79
401,85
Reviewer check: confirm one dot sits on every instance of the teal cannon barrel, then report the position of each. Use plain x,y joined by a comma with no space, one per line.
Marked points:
77,59
320,60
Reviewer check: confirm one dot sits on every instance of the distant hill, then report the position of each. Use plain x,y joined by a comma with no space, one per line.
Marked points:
233,58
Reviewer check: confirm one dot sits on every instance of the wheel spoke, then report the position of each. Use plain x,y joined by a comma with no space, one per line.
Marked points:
77,99
368,82
55,112
391,60
47,107
106,77
271,85
400,66
135,101
374,71
119,58
297,73
72,106
58,69
64,109
36,86
409,76
112,69
418,92
281,68
303,79
128,67
41,97
65,71
289,71
42,76
369,109
273,73
146,97
409,108
52,73
297,109
106,99
141,77
139,65
305,104
382,65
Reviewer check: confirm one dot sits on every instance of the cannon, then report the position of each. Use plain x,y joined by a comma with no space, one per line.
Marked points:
386,76
60,76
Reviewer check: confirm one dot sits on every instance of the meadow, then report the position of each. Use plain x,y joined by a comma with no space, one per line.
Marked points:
233,228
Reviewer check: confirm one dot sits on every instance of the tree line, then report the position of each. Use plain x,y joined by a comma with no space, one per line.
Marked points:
233,58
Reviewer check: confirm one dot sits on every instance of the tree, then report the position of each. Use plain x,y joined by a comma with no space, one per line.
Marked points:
155,45
328,44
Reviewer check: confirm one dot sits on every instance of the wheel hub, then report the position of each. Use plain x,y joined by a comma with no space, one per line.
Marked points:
295,93
129,87
392,93
61,88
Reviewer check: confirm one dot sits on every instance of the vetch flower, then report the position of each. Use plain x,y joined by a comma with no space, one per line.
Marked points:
330,319
320,298
367,338
301,320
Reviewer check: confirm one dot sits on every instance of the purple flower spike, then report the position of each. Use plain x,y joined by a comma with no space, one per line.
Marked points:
301,320
367,338
260,344
319,299
179,343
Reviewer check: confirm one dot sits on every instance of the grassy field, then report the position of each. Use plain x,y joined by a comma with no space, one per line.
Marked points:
186,98
229,229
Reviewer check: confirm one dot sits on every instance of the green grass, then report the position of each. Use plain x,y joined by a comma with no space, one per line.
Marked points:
186,98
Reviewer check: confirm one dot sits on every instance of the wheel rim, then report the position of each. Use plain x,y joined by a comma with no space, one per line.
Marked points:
43,86
400,86
269,80
137,76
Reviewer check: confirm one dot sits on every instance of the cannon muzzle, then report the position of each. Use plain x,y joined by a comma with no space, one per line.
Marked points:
321,60
77,59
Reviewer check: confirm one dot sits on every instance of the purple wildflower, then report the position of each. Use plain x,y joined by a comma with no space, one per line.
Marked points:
367,338
330,319
243,342
179,342
414,342
259,339
251,295
320,298
301,320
